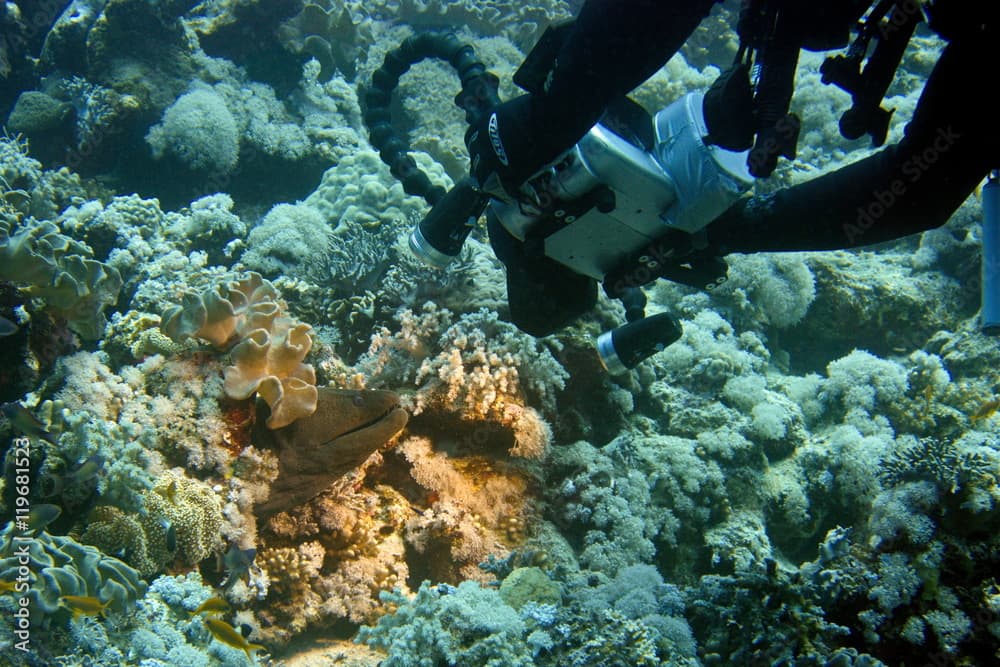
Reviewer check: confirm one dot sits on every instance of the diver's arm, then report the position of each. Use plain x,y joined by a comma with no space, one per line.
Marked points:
613,46
949,146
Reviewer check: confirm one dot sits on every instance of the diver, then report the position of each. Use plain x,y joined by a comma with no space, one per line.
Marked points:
580,186
950,143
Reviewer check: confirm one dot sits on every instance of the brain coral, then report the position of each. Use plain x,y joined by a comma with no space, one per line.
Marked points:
269,345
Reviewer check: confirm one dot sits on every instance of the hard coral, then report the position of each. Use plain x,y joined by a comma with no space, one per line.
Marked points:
181,523
269,345
349,549
478,369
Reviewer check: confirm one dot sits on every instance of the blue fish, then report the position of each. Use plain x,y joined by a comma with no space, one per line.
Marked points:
25,422
7,328
169,534
237,563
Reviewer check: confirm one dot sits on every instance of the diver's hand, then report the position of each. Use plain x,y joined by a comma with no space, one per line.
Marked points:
501,148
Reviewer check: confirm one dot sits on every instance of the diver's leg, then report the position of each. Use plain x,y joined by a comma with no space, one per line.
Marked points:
916,185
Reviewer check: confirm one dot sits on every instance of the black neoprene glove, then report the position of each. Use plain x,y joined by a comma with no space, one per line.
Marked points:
506,147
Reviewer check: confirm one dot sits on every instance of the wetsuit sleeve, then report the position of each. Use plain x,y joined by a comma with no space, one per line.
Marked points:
613,47
948,147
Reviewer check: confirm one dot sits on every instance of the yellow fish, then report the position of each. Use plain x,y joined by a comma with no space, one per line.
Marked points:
8,586
170,491
85,605
986,410
230,636
214,605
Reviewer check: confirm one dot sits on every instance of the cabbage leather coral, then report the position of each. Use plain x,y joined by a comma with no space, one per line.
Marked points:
61,272
268,346
61,566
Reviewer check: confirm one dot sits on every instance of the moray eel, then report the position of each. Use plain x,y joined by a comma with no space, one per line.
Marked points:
313,452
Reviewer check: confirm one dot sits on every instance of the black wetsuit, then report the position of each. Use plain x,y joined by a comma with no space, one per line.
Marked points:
949,146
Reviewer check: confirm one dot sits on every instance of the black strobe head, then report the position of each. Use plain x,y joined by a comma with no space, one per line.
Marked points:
623,348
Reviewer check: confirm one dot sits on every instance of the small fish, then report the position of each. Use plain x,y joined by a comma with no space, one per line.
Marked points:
213,605
237,563
169,491
88,470
25,422
928,394
986,410
10,587
41,516
7,328
229,636
84,605
169,533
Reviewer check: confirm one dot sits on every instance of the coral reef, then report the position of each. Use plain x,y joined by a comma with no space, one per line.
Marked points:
159,629
179,524
776,487
269,345
56,566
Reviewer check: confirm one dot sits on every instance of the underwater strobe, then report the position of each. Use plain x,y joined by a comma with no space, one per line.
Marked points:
991,255
623,206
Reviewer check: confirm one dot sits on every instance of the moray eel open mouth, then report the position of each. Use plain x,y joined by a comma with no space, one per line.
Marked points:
313,452
376,424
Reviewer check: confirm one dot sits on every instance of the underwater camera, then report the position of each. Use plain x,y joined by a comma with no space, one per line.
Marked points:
623,206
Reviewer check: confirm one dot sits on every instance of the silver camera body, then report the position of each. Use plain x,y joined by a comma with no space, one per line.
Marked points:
606,198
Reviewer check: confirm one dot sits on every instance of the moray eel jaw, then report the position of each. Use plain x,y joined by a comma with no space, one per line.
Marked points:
313,452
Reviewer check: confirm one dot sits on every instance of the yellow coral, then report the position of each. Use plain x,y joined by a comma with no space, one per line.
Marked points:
269,345
270,363
181,522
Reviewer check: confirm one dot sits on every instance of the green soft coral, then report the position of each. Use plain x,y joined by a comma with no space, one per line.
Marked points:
60,272
61,566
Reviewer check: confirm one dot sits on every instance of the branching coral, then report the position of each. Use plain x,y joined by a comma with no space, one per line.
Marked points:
477,506
347,548
950,467
447,625
269,344
478,368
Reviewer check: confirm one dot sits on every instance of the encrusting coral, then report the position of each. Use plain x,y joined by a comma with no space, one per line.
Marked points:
180,521
269,344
